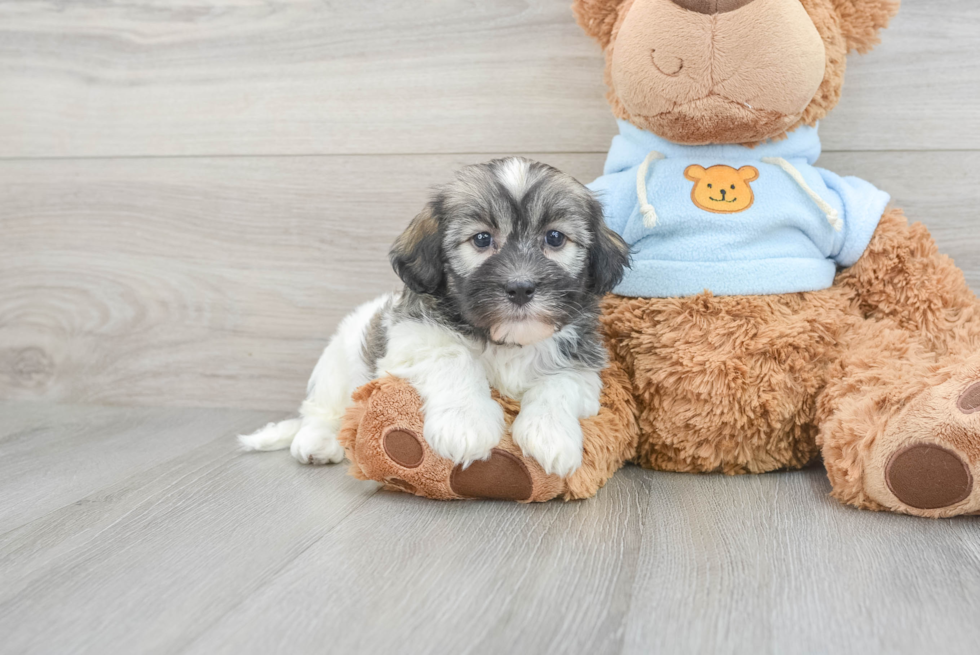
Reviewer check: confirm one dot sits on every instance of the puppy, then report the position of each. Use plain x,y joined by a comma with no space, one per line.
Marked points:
503,273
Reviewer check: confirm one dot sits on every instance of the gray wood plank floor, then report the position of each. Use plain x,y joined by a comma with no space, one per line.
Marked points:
203,549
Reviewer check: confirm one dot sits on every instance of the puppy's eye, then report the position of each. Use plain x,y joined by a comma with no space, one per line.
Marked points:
482,240
554,238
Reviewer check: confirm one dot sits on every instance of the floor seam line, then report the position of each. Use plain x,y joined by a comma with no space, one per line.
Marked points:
274,575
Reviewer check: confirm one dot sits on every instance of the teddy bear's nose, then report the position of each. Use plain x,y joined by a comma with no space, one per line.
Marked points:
712,6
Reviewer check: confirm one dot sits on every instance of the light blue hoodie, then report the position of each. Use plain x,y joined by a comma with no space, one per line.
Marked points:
802,224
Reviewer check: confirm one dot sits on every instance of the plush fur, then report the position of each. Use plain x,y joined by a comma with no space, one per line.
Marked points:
842,25
387,404
748,384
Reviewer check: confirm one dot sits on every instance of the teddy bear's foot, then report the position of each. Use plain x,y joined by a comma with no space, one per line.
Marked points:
927,460
382,437
503,476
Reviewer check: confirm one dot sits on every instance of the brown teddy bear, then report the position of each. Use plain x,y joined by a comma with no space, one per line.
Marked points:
775,312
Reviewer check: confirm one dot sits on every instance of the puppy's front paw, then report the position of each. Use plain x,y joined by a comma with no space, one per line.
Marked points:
554,439
316,443
464,434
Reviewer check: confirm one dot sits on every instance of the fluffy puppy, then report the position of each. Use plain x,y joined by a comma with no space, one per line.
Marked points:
503,273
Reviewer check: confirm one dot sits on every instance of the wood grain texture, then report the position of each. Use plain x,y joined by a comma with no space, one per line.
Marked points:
49,461
219,275
144,562
215,551
771,564
438,577
217,281
244,77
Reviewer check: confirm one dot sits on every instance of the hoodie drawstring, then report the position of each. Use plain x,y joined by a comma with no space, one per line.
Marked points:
832,216
649,213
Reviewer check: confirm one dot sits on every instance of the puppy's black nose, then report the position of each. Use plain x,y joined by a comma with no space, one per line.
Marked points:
520,292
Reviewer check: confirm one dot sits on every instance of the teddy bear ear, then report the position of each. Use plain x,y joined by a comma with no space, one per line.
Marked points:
597,18
364,392
861,20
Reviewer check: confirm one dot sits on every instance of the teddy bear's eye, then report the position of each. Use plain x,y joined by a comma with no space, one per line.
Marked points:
709,186
733,187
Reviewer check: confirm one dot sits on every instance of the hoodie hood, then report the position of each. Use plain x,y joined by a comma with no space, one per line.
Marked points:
632,145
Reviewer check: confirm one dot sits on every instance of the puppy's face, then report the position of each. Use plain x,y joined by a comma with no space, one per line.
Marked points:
520,248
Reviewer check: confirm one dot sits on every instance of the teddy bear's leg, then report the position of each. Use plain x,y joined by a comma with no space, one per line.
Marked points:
900,427
729,383
902,277
382,436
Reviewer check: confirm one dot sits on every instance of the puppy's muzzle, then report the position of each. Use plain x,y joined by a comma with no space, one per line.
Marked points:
520,292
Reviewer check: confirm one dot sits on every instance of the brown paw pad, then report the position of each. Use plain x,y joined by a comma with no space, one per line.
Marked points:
403,448
969,400
927,476
502,477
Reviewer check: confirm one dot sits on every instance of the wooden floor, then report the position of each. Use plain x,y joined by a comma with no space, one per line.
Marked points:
131,530
191,196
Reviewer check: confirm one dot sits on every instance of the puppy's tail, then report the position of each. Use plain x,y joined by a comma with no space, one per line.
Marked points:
274,436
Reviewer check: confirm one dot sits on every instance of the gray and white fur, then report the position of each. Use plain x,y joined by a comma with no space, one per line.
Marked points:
503,270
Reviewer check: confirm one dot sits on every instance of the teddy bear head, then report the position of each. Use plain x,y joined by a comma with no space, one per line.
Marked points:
728,71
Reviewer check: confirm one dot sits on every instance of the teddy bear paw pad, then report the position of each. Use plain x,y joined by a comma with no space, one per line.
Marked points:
501,477
969,400
928,476
404,448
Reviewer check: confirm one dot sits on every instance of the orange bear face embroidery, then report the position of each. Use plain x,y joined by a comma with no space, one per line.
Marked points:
722,189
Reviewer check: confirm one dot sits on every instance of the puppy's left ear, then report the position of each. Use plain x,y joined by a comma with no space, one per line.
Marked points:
416,255
609,257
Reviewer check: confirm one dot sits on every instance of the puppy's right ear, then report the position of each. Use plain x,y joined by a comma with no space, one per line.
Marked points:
416,255
597,18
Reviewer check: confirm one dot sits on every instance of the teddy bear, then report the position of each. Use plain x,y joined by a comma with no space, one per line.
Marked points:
775,313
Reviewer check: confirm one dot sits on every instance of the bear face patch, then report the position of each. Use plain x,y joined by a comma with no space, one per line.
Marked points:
722,189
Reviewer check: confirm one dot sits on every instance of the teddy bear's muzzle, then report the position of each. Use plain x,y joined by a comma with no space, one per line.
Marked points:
679,64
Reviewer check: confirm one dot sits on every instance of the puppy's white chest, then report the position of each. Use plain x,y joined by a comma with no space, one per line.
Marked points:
512,370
